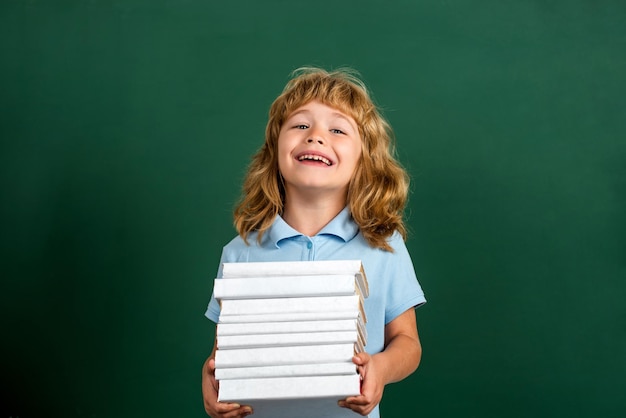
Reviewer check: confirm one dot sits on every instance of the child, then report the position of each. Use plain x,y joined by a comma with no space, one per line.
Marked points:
325,185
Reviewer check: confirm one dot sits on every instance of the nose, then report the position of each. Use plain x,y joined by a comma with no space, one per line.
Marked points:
315,137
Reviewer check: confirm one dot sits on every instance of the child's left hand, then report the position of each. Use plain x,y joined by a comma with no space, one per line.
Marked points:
399,359
372,386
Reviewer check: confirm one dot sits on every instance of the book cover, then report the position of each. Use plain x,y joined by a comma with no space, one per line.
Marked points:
321,369
253,328
352,303
246,391
287,268
289,317
286,286
290,339
269,356
299,408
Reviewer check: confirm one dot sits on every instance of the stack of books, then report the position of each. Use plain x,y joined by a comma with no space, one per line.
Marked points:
287,333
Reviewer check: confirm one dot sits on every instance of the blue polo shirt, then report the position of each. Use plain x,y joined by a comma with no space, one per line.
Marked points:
391,277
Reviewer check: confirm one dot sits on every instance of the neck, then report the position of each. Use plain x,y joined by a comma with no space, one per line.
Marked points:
309,215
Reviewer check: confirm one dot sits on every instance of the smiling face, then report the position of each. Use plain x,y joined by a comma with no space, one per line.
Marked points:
319,149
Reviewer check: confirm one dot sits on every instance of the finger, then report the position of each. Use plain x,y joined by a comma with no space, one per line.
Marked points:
232,410
223,407
240,413
361,371
356,400
360,409
244,411
361,359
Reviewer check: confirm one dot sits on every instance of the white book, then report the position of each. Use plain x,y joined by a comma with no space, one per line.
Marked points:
350,303
291,268
288,317
301,408
291,339
247,391
287,286
323,369
270,356
253,328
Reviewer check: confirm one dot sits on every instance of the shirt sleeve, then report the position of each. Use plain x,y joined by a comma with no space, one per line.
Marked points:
403,290
213,309
233,252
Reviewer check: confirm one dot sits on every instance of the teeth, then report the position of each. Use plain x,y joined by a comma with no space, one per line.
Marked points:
314,158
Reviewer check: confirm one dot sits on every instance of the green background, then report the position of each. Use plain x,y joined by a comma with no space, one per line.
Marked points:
126,128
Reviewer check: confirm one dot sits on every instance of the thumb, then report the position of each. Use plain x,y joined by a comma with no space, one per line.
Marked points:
361,359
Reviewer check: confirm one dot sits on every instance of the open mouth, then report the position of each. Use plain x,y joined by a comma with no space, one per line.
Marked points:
312,157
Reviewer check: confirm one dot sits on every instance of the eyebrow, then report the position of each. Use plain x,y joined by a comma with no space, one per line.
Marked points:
335,114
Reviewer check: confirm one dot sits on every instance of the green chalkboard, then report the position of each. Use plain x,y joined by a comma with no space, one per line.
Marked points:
126,127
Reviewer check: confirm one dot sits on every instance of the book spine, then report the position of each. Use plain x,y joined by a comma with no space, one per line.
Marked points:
286,286
324,369
307,387
267,356
291,339
290,305
287,327
286,268
289,317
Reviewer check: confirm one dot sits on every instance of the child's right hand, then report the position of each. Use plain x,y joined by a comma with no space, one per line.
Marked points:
210,387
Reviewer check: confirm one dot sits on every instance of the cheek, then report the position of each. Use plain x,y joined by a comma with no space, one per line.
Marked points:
280,146
357,163
282,154
353,154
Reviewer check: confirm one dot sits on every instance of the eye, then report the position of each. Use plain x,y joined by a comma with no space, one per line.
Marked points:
301,126
337,131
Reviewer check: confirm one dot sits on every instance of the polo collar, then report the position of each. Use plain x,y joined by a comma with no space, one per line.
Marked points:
341,226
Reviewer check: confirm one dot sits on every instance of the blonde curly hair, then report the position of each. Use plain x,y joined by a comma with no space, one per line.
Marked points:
378,191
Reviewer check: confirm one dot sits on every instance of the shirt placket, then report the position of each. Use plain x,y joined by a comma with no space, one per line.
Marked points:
310,249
